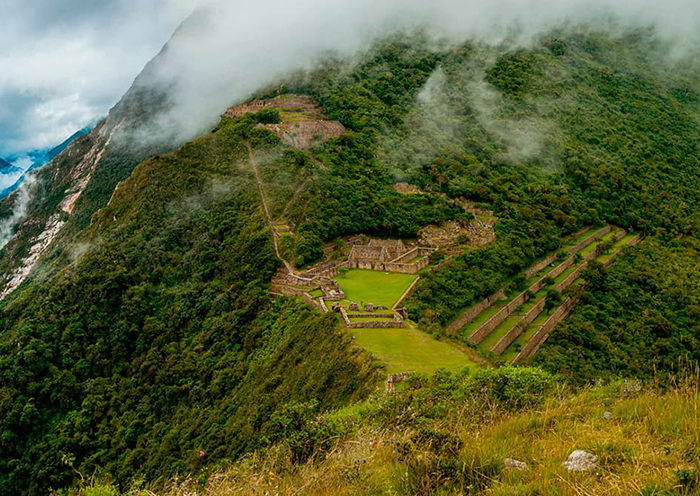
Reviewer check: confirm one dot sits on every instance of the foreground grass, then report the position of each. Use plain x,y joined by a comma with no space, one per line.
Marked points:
651,441
411,350
449,435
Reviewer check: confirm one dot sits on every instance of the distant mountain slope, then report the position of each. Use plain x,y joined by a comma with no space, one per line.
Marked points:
38,159
7,168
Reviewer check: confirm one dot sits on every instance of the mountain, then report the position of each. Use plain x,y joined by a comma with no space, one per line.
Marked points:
7,168
38,159
163,309
42,157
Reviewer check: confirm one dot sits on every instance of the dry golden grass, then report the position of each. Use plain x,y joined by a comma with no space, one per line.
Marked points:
650,437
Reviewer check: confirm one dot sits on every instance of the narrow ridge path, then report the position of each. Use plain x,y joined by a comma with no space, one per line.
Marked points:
254,165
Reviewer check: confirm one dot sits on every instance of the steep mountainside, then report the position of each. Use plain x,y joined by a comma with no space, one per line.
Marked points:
137,328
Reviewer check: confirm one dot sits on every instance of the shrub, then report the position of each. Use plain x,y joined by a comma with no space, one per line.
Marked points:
511,387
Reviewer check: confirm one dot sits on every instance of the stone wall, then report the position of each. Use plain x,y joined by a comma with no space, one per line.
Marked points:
590,239
403,268
556,272
631,242
287,290
515,331
471,313
380,324
328,269
360,252
496,319
406,294
397,323
395,378
370,315
542,333
540,265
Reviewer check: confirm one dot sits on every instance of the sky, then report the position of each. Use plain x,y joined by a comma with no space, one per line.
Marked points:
64,63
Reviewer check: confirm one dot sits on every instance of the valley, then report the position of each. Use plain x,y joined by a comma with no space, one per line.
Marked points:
382,274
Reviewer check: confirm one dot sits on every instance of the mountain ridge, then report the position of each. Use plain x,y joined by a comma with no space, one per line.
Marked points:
141,330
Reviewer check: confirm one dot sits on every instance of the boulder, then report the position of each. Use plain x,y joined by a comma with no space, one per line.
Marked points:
580,461
336,307
381,307
515,464
369,307
353,307
607,416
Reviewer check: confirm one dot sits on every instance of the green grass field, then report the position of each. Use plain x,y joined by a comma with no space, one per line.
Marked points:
409,349
402,350
371,286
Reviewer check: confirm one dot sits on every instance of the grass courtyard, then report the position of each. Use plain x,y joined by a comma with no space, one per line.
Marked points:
402,350
372,286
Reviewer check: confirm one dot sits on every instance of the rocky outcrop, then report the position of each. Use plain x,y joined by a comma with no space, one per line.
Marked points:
580,461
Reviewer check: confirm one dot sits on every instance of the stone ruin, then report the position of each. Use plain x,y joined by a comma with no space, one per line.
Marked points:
395,379
389,256
317,286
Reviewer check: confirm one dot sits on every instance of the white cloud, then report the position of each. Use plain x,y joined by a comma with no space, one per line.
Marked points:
241,46
65,63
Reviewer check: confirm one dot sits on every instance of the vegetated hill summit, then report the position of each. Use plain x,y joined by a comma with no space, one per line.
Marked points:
171,309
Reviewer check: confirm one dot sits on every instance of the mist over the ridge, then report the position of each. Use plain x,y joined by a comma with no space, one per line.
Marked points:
227,50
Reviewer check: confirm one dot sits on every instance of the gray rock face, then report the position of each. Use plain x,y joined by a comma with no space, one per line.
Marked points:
515,464
580,461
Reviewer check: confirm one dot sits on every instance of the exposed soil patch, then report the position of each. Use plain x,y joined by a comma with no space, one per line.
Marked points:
407,189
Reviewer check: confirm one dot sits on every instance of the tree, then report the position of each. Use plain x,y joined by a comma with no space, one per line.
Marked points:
553,300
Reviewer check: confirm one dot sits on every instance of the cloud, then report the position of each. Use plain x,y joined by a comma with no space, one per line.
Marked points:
69,61
231,49
64,64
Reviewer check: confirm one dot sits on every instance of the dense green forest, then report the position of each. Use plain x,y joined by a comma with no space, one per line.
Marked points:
639,318
150,335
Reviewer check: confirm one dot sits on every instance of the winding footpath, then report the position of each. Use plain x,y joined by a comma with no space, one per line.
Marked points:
275,236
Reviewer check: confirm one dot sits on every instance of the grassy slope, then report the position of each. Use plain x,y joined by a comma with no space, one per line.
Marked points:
648,447
402,350
410,349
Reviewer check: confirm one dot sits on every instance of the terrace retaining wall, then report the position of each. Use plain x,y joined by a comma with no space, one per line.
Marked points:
543,332
406,294
540,265
580,246
499,317
473,311
563,311
287,290
515,331
370,315
380,324
496,319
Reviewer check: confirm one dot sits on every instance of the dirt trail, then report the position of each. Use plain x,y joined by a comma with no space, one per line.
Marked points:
254,165
294,197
